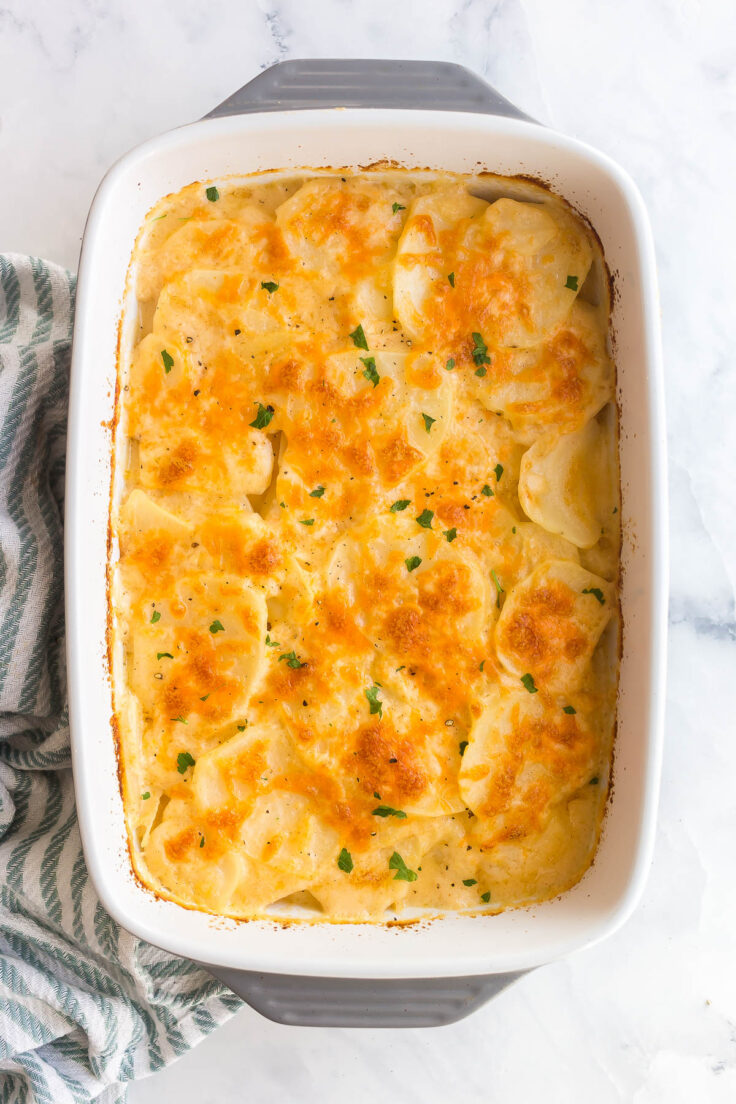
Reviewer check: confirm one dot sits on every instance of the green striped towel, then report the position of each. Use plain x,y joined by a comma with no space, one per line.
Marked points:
84,1007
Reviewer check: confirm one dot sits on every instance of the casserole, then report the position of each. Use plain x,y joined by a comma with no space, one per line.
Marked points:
432,971
312,679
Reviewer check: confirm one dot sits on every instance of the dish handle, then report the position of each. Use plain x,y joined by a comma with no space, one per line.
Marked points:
366,82
362,1002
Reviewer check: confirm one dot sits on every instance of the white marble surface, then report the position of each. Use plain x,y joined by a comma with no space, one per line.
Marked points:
650,1016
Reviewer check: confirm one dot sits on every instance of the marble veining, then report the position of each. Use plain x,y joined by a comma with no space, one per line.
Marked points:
650,1015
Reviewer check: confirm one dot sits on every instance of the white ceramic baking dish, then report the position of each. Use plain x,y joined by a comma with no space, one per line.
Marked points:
416,114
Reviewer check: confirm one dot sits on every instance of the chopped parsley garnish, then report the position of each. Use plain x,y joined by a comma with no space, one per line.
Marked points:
269,286
242,728
485,897
412,563
271,643
569,709
594,780
481,665
184,761
480,372
470,881
164,655
306,521
292,660
451,279
449,535
370,372
168,360
317,492
400,504
463,744
358,337
499,588
204,697
450,364
155,616
180,720
146,795
480,350
597,594
201,842
345,860
425,519
572,283
212,194
387,811
263,417
528,683
397,207
216,626
403,873
375,705
486,490
499,471
428,422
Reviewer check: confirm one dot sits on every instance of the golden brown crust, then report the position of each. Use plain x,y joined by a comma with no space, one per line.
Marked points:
329,599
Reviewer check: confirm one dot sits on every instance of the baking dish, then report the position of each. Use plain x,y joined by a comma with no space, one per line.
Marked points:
415,114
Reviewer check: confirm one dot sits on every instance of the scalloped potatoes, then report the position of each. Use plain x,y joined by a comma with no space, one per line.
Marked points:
367,547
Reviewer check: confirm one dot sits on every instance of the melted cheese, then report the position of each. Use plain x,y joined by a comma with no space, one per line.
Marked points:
366,583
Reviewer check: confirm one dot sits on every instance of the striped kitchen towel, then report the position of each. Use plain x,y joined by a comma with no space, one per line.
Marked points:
84,1007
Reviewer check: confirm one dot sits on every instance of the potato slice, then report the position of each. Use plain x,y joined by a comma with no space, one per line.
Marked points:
198,649
566,483
284,830
193,426
548,256
250,775
157,367
524,755
341,227
508,272
241,768
344,232
219,314
372,886
201,860
399,562
140,515
420,266
551,623
561,383
241,243
366,420
154,542
538,866
175,857
538,544
194,463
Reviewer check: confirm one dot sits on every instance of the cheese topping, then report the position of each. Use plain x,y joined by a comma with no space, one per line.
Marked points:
364,589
